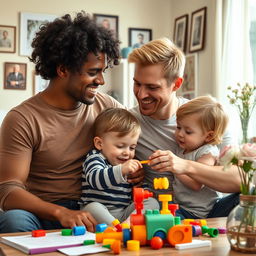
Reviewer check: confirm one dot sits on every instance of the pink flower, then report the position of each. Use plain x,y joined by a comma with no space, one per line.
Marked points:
248,150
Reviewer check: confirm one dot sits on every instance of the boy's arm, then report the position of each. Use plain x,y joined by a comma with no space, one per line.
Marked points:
101,176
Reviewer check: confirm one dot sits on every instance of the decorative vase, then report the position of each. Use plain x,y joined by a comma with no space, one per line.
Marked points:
241,225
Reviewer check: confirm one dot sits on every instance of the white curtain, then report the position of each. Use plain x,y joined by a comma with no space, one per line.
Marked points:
233,60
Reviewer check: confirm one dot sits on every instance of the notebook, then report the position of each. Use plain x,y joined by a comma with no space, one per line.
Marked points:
49,243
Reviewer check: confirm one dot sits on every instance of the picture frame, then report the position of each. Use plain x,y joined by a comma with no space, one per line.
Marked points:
139,36
29,25
39,84
15,75
108,21
180,32
7,39
197,30
190,84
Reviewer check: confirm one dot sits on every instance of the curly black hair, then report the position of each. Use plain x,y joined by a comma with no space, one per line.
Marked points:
67,42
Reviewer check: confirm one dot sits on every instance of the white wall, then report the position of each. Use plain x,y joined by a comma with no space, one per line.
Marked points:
153,14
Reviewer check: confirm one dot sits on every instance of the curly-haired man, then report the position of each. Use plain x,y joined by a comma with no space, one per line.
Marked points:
43,141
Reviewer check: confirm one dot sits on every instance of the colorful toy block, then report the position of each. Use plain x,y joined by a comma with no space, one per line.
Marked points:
139,232
88,242
115,246
161,183
66,232
133,245
101,227
38,233
196,230
79,230
212,232
165,199
180,234
173,208
157,222
117,225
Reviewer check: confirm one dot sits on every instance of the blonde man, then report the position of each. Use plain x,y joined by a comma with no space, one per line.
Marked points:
159,67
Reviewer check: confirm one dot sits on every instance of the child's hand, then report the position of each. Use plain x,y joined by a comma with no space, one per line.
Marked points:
131,166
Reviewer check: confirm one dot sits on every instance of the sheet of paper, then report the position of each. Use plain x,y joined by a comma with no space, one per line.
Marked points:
81,250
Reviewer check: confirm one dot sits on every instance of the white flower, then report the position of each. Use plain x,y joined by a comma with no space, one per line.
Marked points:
228,154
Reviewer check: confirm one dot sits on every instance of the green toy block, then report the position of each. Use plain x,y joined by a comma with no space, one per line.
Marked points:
66,232
88,242
157,222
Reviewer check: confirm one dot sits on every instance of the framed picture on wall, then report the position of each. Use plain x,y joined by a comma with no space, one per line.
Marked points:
197,30
180,32
39,83
139,36
7,39
189,85
15,75
29,25
108,21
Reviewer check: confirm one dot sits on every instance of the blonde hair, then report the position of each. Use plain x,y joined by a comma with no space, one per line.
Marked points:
161,51
116,120
212,117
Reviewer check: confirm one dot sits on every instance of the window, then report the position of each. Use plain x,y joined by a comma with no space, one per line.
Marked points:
252,7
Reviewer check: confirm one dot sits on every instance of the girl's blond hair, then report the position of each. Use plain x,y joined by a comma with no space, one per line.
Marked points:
212,117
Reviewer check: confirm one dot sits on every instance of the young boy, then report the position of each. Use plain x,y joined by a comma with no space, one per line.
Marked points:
106,193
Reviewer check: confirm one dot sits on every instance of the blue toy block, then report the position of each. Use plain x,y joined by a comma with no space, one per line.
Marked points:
79,230
101,227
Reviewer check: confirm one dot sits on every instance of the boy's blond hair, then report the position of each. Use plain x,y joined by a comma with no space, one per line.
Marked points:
212,117
116,120
160,51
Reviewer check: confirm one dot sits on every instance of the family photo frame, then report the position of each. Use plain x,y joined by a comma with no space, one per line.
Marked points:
39,83
197,30
180,32
108,21
7,39
15,75
139,36
29,25
189,86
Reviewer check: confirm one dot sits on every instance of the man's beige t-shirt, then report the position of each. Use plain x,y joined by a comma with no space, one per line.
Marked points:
55,141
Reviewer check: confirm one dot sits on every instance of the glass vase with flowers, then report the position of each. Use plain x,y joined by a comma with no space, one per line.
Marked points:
241,222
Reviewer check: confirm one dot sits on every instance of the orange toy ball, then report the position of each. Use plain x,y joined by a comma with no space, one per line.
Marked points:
156,243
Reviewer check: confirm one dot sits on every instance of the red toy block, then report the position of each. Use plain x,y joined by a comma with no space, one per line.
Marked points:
173,208
38,233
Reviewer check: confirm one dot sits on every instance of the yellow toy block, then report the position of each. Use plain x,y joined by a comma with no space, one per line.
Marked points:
115,222
161,183
165,199
133,245
108,241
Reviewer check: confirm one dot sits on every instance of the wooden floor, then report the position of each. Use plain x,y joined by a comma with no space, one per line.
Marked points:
220,247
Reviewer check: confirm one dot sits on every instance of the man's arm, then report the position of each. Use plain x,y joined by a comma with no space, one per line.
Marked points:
15,159
212,176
